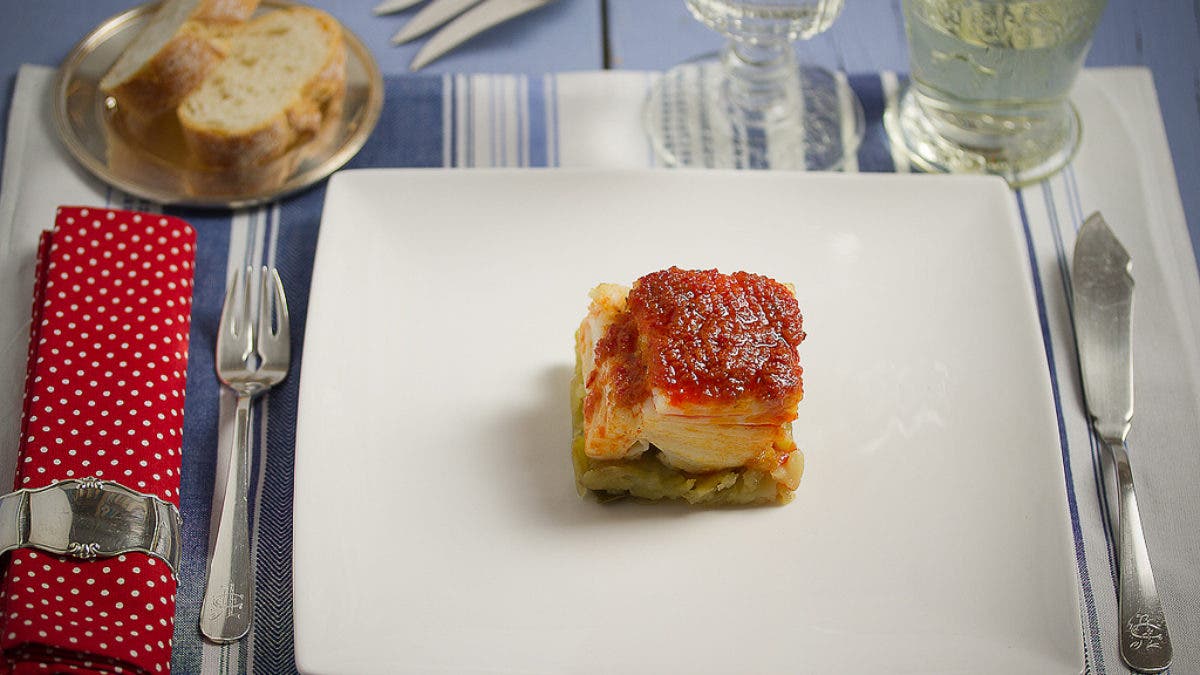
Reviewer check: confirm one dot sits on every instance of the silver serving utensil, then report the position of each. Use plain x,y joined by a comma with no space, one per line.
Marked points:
1103,295
483,16
393,6
431,16
253,355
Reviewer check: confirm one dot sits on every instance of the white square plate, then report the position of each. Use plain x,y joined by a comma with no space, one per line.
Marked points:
437,528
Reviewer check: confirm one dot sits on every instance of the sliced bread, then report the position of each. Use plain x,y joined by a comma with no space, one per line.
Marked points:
285,70
172,54
224,11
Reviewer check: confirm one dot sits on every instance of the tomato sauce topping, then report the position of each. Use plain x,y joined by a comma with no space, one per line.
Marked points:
713,337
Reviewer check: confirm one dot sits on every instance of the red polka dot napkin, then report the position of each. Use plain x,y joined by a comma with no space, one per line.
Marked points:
103,397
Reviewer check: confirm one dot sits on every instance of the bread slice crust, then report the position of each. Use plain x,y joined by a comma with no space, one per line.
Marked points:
225,11
168,74
217,142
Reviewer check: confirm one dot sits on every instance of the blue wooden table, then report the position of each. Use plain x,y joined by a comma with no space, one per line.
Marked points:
1163,35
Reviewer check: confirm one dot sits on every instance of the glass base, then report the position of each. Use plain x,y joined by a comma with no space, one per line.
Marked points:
691,121
1021,148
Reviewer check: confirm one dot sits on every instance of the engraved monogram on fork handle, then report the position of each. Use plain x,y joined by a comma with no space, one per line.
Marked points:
253,354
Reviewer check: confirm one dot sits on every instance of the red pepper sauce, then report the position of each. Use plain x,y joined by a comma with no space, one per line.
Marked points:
713,337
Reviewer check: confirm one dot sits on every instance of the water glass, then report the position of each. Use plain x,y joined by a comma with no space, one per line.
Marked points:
990,85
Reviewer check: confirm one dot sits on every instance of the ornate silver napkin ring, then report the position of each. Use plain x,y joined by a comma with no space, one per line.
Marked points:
90,518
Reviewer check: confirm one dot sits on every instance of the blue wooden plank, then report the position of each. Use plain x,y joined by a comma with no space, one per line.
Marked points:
1165,37
869,36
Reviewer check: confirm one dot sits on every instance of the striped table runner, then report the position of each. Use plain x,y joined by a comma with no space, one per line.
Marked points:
593,120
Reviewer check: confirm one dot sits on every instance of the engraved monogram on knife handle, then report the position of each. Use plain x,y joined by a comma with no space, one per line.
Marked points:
1102,289
1145,642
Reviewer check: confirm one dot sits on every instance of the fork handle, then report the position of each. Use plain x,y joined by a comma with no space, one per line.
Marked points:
229,590
1145,642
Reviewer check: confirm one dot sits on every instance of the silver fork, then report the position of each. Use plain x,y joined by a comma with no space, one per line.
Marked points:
253,354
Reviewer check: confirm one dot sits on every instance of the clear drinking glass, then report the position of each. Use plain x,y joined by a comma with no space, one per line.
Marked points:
752,105
990,80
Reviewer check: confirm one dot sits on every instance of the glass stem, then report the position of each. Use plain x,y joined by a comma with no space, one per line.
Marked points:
761,83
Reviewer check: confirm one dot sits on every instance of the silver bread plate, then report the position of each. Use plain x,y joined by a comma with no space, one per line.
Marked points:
90,518
155,165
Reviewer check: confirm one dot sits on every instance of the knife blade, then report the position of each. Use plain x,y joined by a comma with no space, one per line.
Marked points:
476,20
431,16
393,6
1102,290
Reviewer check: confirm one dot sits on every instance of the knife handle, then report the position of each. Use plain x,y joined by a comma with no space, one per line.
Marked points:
1145,642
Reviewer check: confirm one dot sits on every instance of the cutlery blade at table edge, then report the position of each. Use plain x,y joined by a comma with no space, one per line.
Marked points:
393,6
431,16
474,21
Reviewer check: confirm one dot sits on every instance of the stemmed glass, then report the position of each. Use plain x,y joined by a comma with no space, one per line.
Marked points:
753,105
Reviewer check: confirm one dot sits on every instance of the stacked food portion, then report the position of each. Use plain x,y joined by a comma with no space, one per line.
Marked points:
685,387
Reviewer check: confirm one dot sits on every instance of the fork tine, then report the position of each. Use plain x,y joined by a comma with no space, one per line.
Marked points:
266,307
273,308
246,322
235,334
227,326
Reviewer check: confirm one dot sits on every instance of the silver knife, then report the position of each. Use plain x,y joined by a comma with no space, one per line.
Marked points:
393,6
1103,295
431,16
482,17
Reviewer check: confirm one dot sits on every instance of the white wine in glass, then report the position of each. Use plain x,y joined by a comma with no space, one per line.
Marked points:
990,85
753,105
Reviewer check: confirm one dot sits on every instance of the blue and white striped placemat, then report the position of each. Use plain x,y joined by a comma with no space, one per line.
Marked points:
594,120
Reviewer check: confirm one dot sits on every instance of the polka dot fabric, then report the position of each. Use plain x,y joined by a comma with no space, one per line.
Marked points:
104,397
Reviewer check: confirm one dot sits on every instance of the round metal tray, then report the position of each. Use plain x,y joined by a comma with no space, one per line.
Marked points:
152,162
